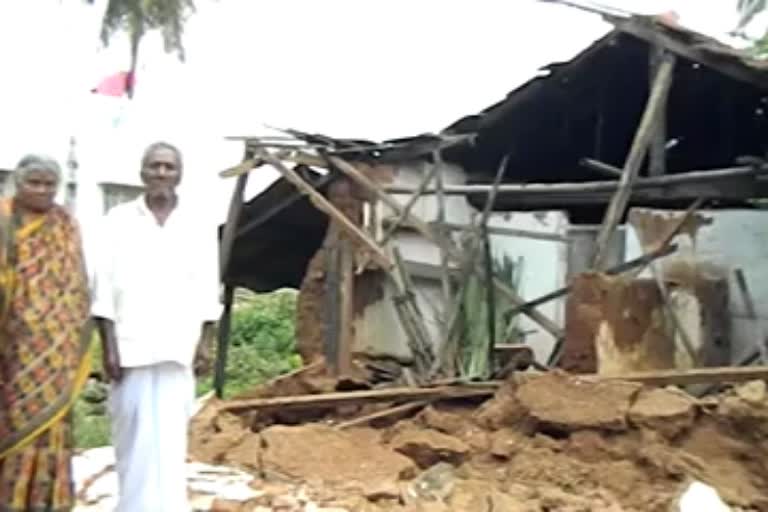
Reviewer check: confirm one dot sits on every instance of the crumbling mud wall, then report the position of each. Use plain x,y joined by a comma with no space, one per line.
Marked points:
616,325
312,314
311,308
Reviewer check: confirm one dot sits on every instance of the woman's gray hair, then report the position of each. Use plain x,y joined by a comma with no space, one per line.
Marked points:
36,162
32,162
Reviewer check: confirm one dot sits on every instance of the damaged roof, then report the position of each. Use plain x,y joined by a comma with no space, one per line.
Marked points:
588,107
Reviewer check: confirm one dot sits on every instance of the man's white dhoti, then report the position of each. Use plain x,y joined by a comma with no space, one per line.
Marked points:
150,411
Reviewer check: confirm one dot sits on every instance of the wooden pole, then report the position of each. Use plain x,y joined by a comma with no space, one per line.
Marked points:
637,153
230,227
411,317
443,243
325,206
406,210
332,301
490,292
657,162
602,168
225,256
222,342
347,307
543,189
445,279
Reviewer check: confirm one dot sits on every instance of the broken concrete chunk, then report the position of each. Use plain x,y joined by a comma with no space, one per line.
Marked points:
504,444
428,447
434,484
570,403
319,452
667,411
443,421
754,392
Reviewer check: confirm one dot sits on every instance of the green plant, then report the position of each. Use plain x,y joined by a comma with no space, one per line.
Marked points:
262,342
473,351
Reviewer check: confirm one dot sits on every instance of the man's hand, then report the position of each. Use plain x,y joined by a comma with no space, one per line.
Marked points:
110,355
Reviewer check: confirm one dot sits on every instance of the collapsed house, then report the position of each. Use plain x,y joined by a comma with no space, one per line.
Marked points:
604,218
566,139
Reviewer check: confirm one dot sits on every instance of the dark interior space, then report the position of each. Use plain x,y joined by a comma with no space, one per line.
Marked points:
590,107
279,232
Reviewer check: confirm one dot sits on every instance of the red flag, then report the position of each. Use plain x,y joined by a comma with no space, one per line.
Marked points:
116,85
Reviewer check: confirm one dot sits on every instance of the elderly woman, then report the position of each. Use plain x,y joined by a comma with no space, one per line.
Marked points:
44,335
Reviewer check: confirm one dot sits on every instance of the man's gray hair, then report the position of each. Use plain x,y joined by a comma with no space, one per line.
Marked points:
161,145
35,162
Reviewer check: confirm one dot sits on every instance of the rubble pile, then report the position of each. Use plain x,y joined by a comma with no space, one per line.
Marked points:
550,442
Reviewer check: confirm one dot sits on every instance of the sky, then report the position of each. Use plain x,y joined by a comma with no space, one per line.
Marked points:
371,69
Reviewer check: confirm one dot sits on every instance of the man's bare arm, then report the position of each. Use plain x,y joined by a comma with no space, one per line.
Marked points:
110,354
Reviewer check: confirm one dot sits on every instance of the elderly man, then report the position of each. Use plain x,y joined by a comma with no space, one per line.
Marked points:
155,293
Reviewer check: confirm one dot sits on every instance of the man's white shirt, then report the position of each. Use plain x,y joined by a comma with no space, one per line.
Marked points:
157,283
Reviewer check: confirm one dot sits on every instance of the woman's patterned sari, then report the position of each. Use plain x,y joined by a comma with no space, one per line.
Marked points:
44,344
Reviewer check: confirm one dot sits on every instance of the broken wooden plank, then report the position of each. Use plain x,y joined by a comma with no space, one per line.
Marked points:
391,411
722,374
661,378
602,168
358,397
243,167
661,85
325,206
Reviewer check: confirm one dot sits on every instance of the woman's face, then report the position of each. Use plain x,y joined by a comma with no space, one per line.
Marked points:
37,190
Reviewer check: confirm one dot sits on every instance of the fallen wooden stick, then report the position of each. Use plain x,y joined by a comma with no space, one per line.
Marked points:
672,377
359,397
720,374
441,241
642,139
398,409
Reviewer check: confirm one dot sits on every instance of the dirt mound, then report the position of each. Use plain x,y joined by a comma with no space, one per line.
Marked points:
553,442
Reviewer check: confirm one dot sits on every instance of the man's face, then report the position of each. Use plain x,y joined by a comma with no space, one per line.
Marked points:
37,190
161,173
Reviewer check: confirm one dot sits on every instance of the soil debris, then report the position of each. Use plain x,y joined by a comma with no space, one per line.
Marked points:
554,442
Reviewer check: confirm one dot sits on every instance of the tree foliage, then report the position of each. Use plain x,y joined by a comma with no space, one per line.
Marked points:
137,17
748,9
